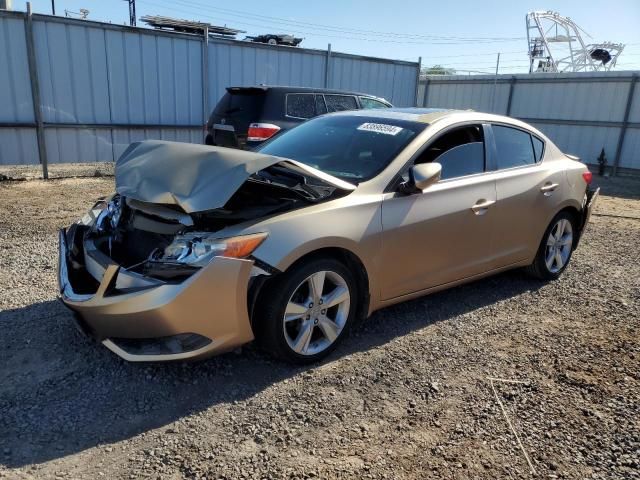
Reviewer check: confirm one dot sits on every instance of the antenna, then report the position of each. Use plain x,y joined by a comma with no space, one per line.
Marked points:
132,12
556,44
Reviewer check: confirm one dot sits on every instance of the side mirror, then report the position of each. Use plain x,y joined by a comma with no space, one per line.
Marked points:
422,176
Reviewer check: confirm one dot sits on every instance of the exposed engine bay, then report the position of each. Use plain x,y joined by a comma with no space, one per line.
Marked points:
164,242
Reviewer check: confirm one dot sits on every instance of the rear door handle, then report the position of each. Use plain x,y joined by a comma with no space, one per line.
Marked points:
548,188
481,206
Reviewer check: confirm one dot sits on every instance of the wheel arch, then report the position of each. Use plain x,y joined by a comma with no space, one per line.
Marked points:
347,257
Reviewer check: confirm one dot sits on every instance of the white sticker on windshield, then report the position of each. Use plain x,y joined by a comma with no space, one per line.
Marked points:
380,128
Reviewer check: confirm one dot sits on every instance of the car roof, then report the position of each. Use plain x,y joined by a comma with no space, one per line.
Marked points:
284,89
431,115
413,114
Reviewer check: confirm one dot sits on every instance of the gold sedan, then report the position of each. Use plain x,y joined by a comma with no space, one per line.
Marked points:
203,248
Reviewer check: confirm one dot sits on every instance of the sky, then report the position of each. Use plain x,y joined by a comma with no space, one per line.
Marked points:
462,34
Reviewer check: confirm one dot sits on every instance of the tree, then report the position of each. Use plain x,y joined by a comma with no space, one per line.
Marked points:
438,70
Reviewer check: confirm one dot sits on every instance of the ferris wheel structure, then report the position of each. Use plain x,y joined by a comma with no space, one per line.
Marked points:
556,45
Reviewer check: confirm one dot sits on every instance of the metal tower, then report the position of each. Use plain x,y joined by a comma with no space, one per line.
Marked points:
556,45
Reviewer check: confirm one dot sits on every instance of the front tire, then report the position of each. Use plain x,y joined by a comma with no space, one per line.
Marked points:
305,313
555,248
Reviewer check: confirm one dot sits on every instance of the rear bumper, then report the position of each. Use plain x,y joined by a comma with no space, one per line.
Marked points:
212,304
589,201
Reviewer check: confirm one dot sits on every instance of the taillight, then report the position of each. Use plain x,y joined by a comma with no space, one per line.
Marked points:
587,176
259,132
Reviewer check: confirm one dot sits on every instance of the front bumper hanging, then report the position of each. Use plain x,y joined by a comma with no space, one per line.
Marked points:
203,315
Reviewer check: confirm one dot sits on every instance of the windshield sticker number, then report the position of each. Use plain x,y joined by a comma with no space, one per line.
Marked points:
380,128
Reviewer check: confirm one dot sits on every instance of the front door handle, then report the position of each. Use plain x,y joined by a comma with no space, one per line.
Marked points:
548,188
481,206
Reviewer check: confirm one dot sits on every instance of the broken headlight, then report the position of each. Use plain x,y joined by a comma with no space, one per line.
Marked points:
198,248
109,217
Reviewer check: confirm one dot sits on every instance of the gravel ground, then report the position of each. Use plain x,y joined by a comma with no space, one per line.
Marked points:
408,395
56,170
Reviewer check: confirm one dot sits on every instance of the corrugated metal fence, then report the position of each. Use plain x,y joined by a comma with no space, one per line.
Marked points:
81,91
581,112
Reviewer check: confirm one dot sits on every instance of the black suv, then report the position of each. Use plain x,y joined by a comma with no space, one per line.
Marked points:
247,116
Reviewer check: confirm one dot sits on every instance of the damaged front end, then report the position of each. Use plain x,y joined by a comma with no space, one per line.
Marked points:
150,272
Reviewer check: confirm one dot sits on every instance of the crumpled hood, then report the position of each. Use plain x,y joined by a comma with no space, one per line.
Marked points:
194,177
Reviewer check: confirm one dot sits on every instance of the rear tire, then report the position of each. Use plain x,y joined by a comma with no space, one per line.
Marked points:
556,247
303,314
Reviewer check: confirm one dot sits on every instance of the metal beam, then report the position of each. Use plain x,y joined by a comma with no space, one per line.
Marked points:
96,126
415,100
35,92
580,123
512,84
534,78
625,123
426,92
205,76
327,67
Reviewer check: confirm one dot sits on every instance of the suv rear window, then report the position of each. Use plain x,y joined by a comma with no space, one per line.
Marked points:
301,105
240,107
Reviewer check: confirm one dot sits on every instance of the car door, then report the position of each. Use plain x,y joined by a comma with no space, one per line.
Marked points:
445,233
529,192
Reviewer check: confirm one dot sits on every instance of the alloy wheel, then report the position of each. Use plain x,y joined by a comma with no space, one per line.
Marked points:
316,313
559,245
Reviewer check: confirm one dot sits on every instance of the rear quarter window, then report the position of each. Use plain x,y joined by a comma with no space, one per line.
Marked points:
367,103
339,103
538,147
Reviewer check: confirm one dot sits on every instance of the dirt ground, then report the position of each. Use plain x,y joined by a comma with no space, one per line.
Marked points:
408,395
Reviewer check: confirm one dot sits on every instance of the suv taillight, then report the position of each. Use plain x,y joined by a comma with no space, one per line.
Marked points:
259,132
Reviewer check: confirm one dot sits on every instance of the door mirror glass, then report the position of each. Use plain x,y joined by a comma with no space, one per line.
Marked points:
423,175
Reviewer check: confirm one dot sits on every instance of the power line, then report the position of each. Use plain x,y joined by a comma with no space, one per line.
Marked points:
382,40
333,28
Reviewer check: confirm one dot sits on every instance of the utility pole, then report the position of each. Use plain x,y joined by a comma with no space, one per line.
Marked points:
53,7
132,12
495,84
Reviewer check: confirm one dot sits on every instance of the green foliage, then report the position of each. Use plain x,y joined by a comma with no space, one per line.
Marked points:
438,70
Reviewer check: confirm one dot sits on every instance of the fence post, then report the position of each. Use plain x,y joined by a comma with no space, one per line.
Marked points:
205,76
512,84
327,67
426,91
35,92
415,101
625,123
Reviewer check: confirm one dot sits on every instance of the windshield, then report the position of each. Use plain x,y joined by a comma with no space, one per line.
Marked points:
352,148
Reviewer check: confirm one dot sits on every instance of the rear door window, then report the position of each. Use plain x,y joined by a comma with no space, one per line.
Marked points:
367,102
301,105
339,103
514,147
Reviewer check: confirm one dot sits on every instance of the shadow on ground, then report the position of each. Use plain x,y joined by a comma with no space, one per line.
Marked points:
621,187
61,394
